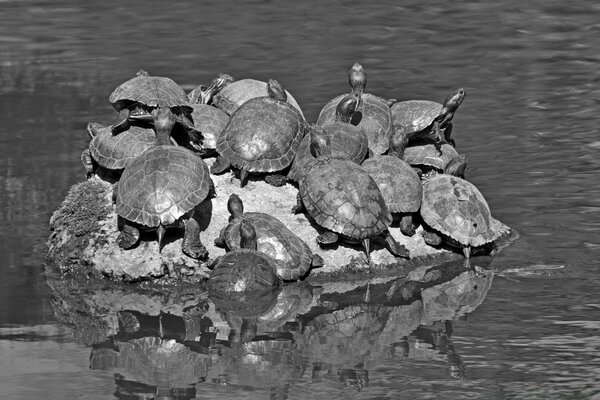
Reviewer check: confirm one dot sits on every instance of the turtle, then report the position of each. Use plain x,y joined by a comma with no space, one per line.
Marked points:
262,136
456,209
207,118
236,93
422,119
373,115
292,255
112,153
341,197
142,94
346,140
244,270
426,157
161,188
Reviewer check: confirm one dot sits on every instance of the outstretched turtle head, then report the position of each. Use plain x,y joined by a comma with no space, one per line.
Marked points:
275,90
247,235
235,206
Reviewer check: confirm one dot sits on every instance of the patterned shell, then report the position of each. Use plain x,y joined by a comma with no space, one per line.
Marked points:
243,271
115,151
161,185
153,91
347,141
414,115
291,254
398,182
456,208
232,96
340,196
262,136
211,121
376,120
428,155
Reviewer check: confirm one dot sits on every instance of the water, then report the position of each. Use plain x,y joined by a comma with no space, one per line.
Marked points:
528,126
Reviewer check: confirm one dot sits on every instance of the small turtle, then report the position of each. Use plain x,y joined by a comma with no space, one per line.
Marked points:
112,153
373,115
236,93
262,136
244,270
162,188
346,140
427,158
341,197
455,208
292,255
424,119
209,119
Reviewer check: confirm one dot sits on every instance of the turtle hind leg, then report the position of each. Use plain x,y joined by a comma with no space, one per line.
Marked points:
397,249
191,244
276,180
327,238
128,237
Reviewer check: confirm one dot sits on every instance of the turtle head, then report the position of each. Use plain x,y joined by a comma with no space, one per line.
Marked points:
398,142
275,90
222,80
357,78
346,108
320,142
164,120
454,100
235,206
247,235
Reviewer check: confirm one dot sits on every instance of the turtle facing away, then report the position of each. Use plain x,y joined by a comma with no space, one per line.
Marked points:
161,188
341,197
244,270
291,254
373,115
455,208
262,136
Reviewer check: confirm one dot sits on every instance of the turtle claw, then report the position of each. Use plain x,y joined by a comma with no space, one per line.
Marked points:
128,237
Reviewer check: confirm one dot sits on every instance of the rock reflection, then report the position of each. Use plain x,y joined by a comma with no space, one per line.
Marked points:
176,343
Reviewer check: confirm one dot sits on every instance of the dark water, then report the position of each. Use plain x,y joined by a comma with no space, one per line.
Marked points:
528,125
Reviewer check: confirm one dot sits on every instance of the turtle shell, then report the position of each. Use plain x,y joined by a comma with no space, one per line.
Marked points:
456,208
262,136
115,151
232,96
243,271
428,155
398,182
211,121
376,120
341,196
152,91
346,140
291,254
414,115
161,185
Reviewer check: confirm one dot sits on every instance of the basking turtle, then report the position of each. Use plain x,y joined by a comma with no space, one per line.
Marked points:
341,197
346,140
209,119
236,93
112,153
262,136
373,115
425,119
427,158
161,188
455,208
244,270
291,254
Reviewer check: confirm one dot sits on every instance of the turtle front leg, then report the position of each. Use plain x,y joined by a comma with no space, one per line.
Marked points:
88,163
447,135
397,249
128,237
299,207
191,244
327,238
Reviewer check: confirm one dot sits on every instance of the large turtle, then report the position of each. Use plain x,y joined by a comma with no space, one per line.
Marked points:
425,119
244,270
292,255
346,140
341,197
262,136
162,188
111,153
373,115
455,208
236,93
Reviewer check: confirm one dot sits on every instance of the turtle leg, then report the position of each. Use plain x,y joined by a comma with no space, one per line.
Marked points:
276,180
243,177
317,261
328,237
221,165
447,135
88,163
438,137
299,207
191,244
407,226
128,237
397,249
